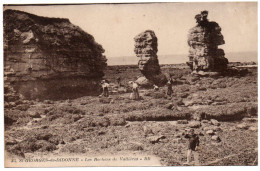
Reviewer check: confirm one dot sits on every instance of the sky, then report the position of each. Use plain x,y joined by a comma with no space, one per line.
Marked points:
115,26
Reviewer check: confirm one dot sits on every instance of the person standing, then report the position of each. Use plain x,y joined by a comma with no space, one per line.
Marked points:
169,87
155,87
118,80
105,86
192,147
135,90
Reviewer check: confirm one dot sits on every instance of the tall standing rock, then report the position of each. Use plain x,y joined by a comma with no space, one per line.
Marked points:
204,39
146,49
49,56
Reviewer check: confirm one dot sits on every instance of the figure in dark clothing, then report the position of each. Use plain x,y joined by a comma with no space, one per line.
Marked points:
192,147
169,87
118,80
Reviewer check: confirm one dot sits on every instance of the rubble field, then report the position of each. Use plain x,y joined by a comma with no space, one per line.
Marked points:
222,110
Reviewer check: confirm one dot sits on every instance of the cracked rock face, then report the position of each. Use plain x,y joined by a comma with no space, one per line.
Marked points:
146,50
39,47
204,39
41,51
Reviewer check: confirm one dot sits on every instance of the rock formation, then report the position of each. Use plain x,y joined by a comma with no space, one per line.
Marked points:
146,50
39,50
204,39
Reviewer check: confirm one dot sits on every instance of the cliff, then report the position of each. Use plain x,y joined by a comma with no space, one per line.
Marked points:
40,48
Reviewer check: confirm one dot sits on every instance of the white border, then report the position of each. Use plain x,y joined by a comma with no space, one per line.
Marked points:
237,168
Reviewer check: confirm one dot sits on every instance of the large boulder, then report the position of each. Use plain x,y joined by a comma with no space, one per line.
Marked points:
204,40
144,82
146,50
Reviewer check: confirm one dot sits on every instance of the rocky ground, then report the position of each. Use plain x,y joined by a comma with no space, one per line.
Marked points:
222,110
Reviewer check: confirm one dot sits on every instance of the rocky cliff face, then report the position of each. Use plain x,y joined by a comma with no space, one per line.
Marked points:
39,48
146,50
204,39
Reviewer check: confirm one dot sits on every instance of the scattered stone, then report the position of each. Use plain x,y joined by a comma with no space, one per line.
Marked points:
155,139
210,132
214,128
176,140
178,135
11,142
216,138
188,102
252,120
147,131
205,121
182,122
194,124
34,114
201,134
101,133
214,122
135,146
45,127
232,129
127,125
104,100
169,106
252,128
242,126
184,95
143,82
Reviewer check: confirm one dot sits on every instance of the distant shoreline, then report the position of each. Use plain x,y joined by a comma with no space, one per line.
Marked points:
180,59
184,64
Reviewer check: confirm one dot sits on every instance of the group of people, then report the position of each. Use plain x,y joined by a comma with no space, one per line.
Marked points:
193,138
134,86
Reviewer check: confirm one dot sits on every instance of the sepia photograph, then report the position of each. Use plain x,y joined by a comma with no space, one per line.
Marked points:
130,84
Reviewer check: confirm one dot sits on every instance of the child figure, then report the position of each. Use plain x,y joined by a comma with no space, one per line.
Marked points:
192,147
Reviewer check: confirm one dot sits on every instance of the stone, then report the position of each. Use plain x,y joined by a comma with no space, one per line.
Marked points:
169,106
242,126
135,146
214,122
34,114
156,138
250,120
10,142
214,128
204,55
182,122
178,135
188,102
210,132
205,121
216,138
194,124
146,50
253,128
143,82
232,129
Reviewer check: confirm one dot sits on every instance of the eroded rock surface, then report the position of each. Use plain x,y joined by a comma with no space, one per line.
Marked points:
204,39
40,48
146,49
